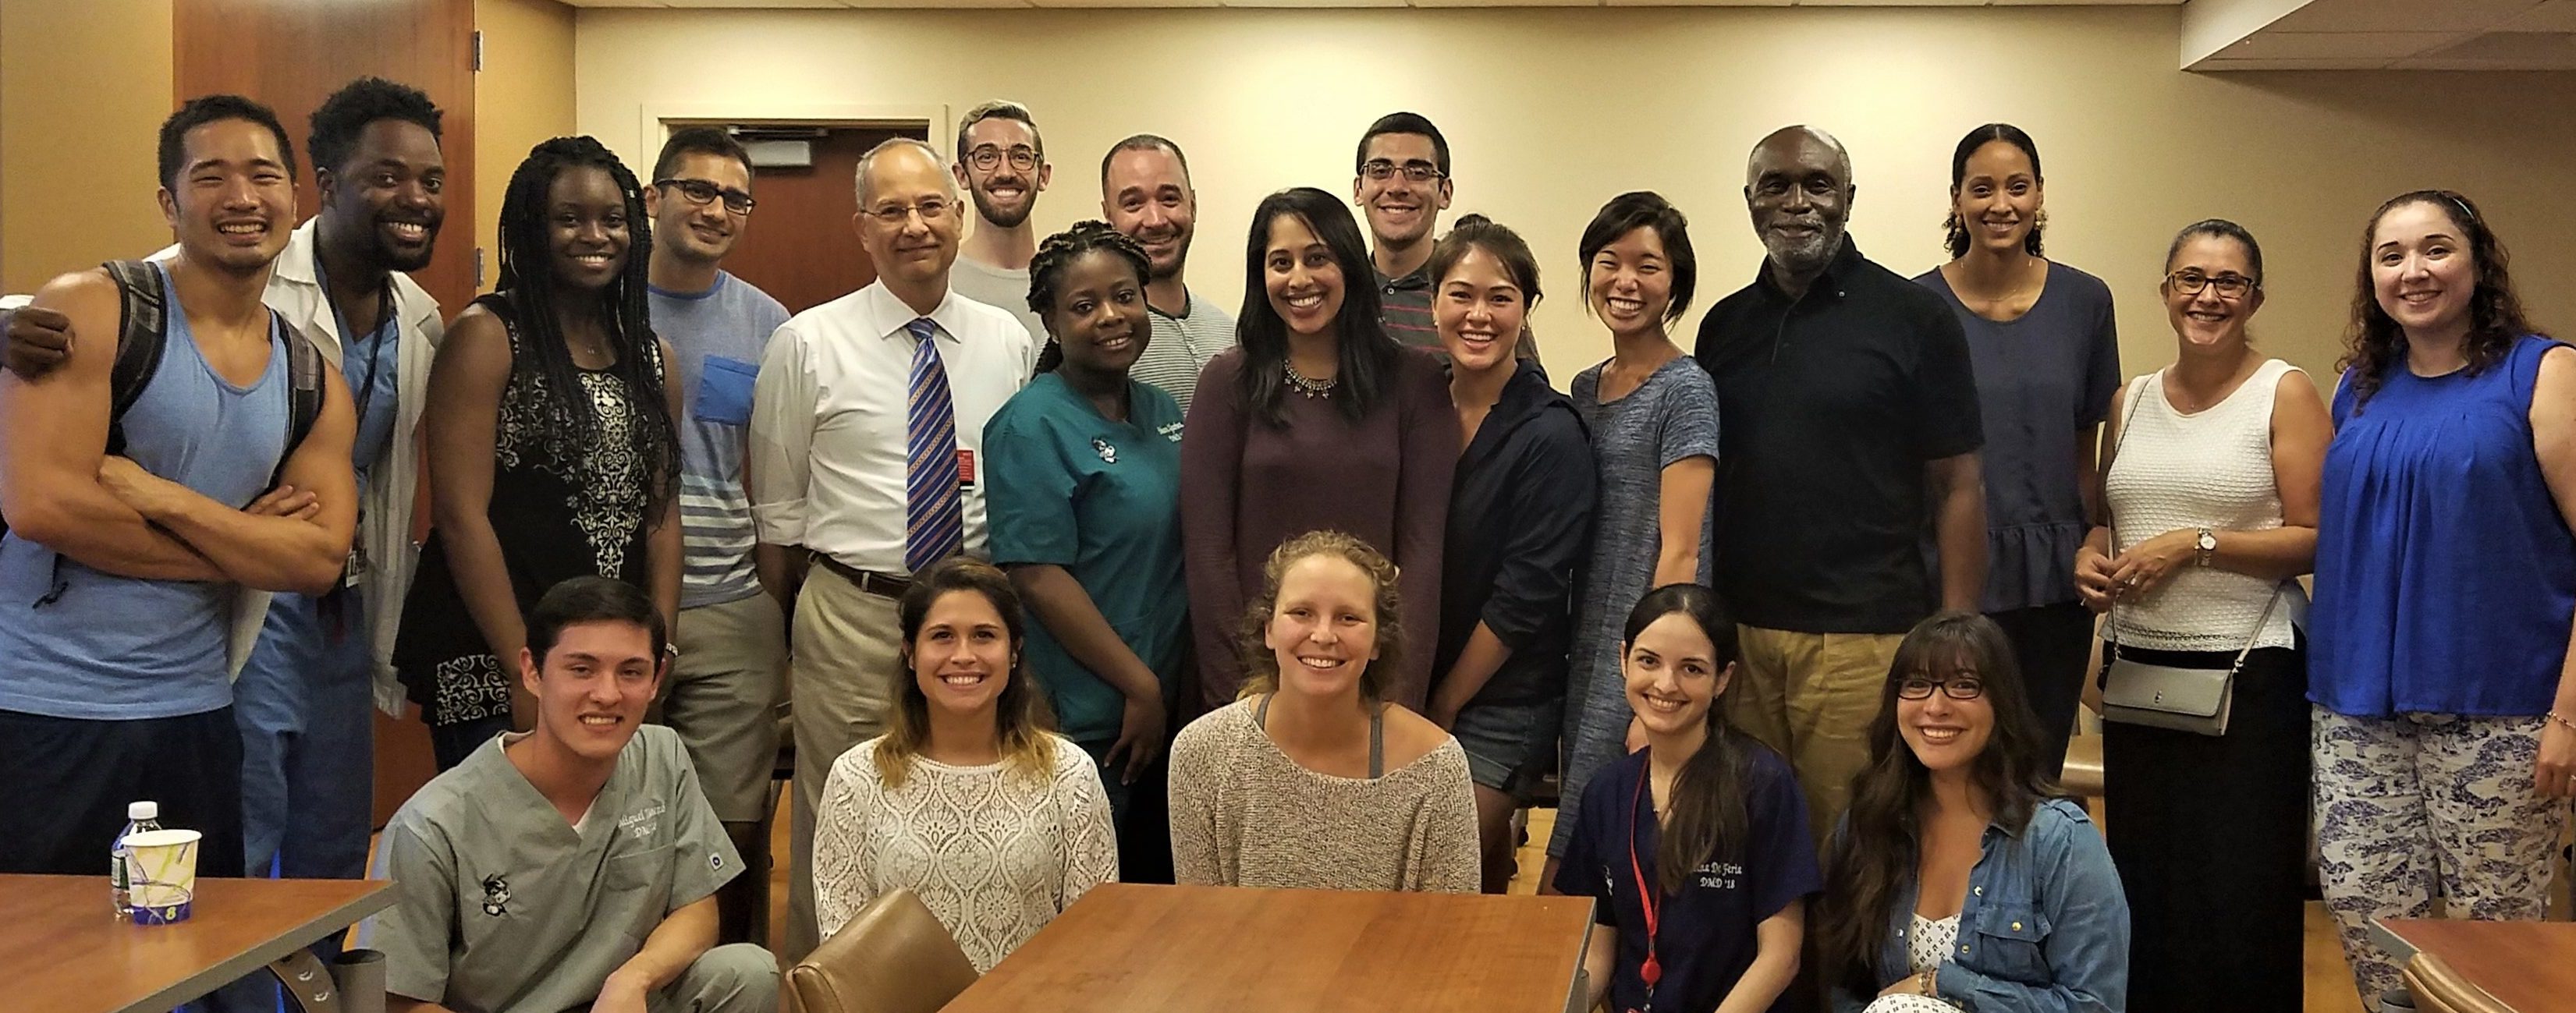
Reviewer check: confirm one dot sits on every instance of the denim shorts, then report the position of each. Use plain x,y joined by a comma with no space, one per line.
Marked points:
1510,746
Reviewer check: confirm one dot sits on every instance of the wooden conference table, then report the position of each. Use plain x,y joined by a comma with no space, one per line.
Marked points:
1134,948
2530,967
62,952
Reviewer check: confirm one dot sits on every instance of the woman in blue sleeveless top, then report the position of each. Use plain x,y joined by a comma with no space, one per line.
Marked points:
2446,583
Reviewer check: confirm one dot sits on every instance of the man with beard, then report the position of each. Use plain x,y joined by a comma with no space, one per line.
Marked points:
1001,164
732,638
1848,427
308,778
867,427
131,531
1145,192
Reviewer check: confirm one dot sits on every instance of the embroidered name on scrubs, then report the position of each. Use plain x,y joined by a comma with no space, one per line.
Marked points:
645,817
1171,431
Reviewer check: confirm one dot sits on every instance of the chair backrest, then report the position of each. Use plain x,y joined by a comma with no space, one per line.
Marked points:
2439,989
894,957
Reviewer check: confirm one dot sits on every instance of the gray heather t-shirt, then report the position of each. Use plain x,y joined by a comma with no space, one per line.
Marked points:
505,908
716,337
1182,346
1006,290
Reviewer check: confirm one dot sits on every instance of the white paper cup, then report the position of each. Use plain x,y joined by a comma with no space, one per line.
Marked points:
161,873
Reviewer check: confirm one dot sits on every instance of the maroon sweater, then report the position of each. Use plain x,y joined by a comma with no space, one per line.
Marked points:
1247,486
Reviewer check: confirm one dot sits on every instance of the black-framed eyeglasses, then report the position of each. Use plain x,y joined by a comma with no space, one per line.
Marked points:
1957,687
895,215
1382,170
702,193
2230,285
985,157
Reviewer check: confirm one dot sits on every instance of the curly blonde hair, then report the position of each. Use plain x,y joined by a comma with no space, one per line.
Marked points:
1261,665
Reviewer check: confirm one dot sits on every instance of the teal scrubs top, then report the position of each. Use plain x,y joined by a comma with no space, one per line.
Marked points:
1103,500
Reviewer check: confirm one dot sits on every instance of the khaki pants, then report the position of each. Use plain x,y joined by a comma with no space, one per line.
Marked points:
1811,697
723,699
844,678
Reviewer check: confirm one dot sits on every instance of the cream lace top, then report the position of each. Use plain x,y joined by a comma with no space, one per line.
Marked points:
994,855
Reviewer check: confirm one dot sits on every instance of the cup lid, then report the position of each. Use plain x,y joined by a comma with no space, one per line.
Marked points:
162,838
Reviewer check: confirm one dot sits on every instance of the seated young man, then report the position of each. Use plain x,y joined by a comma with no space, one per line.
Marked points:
574,866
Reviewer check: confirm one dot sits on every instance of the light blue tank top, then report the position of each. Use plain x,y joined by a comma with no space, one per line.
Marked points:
118,648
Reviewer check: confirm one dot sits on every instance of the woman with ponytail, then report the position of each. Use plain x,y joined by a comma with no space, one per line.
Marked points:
551,448
1084,494
1696,846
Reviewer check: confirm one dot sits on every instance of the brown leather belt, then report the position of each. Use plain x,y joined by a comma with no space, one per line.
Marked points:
867,581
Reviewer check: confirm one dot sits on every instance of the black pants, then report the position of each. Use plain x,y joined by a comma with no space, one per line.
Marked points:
2051,643
63,798
2211,839
449,745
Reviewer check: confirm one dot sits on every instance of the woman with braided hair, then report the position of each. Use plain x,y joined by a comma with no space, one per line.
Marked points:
550,442
1084,473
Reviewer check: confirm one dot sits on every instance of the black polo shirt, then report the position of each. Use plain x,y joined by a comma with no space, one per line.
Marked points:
1828,408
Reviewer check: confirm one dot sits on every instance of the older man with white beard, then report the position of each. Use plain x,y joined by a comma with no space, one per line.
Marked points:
1848,426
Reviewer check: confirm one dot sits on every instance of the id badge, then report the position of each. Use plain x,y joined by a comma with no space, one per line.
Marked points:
965,468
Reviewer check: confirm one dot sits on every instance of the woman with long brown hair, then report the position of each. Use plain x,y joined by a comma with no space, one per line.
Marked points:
2445,718
1959,880
968,799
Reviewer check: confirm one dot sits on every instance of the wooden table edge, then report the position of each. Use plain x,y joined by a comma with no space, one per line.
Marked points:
345,914
2387,939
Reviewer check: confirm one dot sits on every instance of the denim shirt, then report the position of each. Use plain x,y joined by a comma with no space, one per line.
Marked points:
2045,929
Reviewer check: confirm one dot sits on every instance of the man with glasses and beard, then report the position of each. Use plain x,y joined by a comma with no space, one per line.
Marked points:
723,690
1145,192
1848,427
1002,166
301,700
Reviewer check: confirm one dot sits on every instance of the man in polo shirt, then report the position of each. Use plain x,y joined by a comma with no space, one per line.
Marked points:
724,688
573,866
1145,192
867,424
1848,428
1402,185
1001,163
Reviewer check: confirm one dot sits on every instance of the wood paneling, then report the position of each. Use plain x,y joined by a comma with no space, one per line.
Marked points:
291,54
802,248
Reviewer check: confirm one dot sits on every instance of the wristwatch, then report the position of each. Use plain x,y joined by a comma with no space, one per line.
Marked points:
2205,546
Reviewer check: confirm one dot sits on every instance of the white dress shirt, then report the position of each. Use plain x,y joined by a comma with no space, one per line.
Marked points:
828,419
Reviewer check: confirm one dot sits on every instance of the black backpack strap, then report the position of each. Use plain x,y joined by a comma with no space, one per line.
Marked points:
143,329
304,367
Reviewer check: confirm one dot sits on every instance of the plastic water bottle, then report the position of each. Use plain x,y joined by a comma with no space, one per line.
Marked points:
139,817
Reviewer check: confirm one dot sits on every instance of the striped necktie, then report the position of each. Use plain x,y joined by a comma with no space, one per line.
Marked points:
934,523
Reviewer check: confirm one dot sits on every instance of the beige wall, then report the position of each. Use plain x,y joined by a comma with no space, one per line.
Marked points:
83,90
522,97
1550,112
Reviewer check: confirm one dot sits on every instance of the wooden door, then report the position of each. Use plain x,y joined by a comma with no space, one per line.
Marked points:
802,247
291,54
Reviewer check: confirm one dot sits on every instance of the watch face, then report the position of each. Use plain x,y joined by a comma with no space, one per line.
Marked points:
2208,541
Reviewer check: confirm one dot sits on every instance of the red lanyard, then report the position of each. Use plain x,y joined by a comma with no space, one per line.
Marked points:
1653,970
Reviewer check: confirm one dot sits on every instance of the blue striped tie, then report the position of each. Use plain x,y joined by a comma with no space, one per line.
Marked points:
934,523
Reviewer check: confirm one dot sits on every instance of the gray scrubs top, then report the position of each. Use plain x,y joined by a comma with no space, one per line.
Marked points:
505,908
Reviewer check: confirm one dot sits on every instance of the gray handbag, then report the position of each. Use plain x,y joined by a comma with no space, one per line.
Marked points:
2195,700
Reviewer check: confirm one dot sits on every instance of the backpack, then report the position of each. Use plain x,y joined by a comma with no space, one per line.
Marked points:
143,333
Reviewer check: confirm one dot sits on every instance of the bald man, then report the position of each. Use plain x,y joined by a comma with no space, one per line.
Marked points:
1848,426
859,501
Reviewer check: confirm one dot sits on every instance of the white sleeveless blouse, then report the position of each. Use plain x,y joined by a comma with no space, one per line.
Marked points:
2209,469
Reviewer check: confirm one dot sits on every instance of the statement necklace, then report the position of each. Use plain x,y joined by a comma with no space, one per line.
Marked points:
1311,388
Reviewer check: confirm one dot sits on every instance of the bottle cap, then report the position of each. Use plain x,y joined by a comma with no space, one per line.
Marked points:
137,811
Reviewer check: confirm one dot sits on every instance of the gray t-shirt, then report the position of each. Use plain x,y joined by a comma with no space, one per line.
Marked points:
716,337
2044,380
1006,290
505,908
1182,346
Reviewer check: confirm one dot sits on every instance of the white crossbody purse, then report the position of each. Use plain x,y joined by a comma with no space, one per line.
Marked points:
2195,700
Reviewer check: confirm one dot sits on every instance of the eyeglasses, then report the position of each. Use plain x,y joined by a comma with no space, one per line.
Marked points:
2229,286
1383,170
1964,687
895,215
1023,157
701,193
